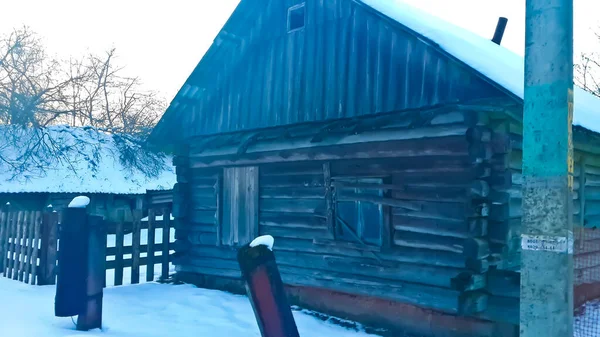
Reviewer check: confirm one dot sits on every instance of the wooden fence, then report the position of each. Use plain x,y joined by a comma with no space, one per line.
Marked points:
29,245
20,243
135,245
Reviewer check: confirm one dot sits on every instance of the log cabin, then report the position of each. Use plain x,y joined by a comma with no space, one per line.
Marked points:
89,163
381,147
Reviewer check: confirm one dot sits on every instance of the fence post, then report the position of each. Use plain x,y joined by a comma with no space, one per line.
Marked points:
119,242
166,237
72,259
91,316
3,235
150,246
135,246
265,289
48,248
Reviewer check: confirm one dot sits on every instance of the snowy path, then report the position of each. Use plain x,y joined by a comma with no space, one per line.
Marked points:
147,310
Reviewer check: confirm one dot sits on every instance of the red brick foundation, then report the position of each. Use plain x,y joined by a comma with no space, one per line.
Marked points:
400,319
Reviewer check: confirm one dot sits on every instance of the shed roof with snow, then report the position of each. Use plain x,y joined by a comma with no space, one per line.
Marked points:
62,159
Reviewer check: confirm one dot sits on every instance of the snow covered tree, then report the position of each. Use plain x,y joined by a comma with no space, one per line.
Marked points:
38,91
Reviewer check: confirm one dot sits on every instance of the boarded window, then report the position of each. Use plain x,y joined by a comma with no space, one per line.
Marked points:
296,17
359,219
239,223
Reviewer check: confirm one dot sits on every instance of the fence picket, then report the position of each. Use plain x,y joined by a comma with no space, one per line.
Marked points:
24,242
49,248
33,266
14,264
3,237
136,234
9,242
150,251
27,248
166,236
119,248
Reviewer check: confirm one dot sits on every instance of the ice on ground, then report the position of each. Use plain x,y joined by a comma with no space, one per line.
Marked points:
147,310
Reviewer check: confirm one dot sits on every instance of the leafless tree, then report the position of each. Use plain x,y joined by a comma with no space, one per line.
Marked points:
37,91
32,84
587,70
117,103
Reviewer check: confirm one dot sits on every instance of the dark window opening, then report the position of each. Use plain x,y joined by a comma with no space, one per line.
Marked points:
360,220
296,17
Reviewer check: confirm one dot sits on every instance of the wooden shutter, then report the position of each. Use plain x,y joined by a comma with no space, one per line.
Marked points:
240,205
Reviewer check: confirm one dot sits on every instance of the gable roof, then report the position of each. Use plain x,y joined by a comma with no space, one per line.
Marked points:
495,62
89,161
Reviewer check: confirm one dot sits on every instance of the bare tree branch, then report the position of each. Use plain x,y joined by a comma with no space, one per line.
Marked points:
38,91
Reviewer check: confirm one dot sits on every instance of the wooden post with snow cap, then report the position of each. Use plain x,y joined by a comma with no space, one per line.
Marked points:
265,289
72,260
91,316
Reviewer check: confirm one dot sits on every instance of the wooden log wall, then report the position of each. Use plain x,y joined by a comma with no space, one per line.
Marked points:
503,280
433,193
587,233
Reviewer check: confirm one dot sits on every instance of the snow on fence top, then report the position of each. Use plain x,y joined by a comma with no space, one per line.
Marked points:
63,159
497,63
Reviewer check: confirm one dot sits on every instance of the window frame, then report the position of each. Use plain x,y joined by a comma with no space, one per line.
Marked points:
359,233
290,13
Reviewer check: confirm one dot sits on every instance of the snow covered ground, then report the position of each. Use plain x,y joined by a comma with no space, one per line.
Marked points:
147,310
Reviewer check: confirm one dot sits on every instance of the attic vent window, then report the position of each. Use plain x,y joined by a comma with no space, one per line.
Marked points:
296,17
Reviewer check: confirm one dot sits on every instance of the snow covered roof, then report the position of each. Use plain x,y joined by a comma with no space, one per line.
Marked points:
62,159
499,64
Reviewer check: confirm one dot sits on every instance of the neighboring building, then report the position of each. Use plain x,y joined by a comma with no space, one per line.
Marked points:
90,163
381,147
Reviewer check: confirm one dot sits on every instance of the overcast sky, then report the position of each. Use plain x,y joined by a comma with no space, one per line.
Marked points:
162,41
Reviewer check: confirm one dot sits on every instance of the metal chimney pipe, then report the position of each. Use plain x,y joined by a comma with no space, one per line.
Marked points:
499,33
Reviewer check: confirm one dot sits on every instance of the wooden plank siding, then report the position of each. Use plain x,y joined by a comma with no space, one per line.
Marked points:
347,61
431,207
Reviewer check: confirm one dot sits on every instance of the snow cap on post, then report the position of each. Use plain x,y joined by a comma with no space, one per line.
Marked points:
79,202
265,240
265,288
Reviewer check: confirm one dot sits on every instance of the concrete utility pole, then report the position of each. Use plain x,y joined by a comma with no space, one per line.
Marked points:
547,230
